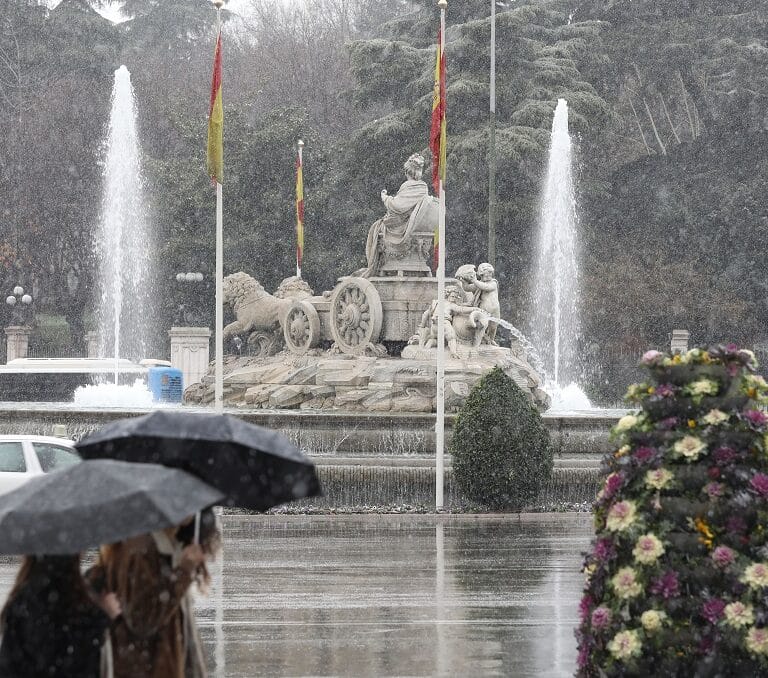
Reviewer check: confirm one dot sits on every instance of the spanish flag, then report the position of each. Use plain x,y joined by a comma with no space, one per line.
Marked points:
215,160
299,213
437,132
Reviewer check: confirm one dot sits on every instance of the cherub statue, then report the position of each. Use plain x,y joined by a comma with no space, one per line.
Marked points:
392,225
428,325
485,293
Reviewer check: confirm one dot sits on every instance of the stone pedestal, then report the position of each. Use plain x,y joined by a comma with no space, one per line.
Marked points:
190,352
17,341
92,344
679,341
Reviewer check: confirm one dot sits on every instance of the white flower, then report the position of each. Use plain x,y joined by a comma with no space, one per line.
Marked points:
625,645
647,549
689,447
627,422
652,619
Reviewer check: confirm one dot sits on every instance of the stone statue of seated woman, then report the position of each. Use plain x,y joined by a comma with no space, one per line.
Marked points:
396,229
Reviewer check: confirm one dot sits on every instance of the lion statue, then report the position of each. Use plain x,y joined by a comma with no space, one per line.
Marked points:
259,314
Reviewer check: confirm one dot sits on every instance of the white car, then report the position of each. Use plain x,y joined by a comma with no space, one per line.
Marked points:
23,457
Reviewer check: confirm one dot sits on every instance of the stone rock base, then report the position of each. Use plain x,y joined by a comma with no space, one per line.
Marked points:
323,380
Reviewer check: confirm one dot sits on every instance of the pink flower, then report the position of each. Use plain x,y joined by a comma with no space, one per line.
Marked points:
604,549
612,484
651,357
666,586
714,490
712,610
664,390
722,556
644,454
756,418
601,617
759,483
585,605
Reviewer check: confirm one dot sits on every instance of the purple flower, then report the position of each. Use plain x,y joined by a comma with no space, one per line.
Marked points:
664,390
759,483
712,610
612,484
601,617
668,423
756,418
724,455
707,644
583,657
733,369
731,348
666,586
723,556
604,549
585,605
736,525
644,454
714,490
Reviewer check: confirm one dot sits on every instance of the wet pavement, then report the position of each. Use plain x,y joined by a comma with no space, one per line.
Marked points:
392,595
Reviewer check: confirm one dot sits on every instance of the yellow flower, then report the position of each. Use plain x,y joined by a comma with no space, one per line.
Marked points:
755,575
714,417
691,423
625,645
706,533
702,387
647,549
757,641
689,447
658,478
652,619
627,422
621,516
624,449
625,583
738,614
677,359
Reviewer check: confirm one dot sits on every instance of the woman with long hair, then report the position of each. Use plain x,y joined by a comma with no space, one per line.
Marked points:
156,636
53,624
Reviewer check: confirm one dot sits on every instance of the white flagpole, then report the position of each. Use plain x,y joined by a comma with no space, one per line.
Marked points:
218,405
440,418
301,164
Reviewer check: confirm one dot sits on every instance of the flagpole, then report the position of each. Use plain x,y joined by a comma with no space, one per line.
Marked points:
300,237
219,341
440,415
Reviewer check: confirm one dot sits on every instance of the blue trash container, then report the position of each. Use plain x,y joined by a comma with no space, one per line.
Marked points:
165,384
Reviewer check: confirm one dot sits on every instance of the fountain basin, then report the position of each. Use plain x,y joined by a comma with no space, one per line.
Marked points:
369,459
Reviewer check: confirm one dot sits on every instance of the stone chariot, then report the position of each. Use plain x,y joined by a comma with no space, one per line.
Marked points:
376,314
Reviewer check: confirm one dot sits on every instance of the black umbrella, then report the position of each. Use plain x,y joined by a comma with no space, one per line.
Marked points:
255,467
97,502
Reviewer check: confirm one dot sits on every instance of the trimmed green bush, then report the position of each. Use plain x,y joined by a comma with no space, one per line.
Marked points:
501,450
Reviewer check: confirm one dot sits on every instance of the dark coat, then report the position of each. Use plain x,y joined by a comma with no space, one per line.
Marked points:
49,635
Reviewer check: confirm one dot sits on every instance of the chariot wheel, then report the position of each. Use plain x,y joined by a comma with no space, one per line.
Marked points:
356,315
301,327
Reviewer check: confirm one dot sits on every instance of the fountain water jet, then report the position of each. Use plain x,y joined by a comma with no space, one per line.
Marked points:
124,244
556,327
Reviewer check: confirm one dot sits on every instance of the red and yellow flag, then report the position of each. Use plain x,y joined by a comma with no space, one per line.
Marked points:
215,159
299,213
437,132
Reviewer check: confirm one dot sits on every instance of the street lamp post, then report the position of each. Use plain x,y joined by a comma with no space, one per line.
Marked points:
186,315
19,303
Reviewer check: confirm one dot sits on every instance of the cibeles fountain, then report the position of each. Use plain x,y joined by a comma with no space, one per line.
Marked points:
369,344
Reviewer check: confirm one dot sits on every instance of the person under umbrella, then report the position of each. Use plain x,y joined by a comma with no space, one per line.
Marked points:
156,636
53,624
91,503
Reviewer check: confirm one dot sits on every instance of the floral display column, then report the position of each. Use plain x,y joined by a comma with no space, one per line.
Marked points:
677,579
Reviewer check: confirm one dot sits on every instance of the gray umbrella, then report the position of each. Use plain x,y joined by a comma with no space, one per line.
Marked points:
97,502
